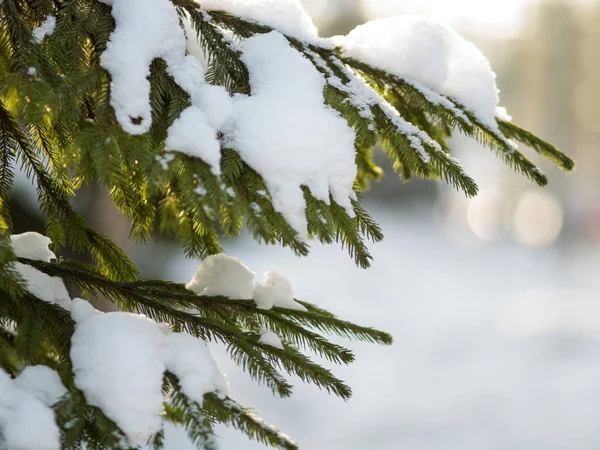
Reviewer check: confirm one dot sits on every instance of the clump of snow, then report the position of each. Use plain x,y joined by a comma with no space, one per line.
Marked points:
270,338
288,135
26,422
275,290
119,360
42,382
502,114
189,358
150,29
117,365
46,28
420,49
191,134
32,245
286,16
43,286
223,275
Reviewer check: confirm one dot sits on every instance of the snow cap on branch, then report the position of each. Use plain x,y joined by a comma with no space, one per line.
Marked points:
26,421
270,338
289,136
32,245
223,275
286,16
119,359
47,288
42,382
420,49
132,47
275,290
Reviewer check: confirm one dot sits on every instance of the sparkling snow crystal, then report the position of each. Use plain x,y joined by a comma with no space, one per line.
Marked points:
46,28
32,245
275,290
422,50
119,360
150,29
270,338
287,134
223,275
26,422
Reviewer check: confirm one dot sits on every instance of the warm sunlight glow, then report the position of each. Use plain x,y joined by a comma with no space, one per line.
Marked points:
537,219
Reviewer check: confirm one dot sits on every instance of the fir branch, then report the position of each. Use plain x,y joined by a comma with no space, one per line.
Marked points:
547,150
226,410
55,202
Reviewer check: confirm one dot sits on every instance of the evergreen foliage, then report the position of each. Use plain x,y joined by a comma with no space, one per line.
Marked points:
57,125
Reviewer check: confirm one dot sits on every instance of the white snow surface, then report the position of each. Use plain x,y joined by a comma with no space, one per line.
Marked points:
150,29
288,135
117,365
223,275
423,50
32,245
270,338
26,422
191,134
286,16
119,360
275,290
42,382
189,358
46,28
44,287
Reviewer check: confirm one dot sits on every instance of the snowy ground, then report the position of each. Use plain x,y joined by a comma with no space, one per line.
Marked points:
496,346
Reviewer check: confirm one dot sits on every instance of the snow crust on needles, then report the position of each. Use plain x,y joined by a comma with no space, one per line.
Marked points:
286,133
119,360
420,49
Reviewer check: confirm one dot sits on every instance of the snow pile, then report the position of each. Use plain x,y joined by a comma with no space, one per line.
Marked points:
228,276
119,360
419,49
188,134
46,28
42,382
270,338
193,364
32,245
286,133
223,275
286,16
275,290
26,418
150,29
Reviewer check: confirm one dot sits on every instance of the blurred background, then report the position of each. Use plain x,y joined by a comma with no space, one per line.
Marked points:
494,302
